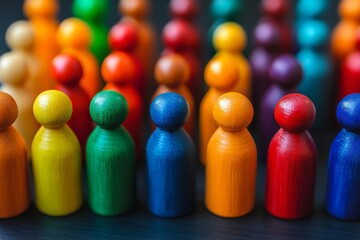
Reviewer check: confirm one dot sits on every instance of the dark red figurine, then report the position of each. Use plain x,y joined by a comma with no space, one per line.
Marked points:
291,161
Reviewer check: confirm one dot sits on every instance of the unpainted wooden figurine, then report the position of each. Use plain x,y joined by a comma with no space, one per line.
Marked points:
344,34
56,157
291,160
343,185
137,12
14,73
170,159
172,73
14,166
42,17
94,13
68,71
230,177
110,157
20,38
118,71
230,38
221,75
74,37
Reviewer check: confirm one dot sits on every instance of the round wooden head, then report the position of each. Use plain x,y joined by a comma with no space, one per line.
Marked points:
172,70
276,8
20,35
41,8
310,9
233,111
222,72
228,9
313,34
286,71
118,68
187,9
134,8
8,111
108,109
91,10
349,9
348,112
52,108
179,35
267,35
295,112
13,69
74,33
123,36
66,69
229,36
169,111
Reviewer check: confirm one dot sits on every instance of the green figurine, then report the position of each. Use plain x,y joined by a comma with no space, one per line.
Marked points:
223,11
110,157
94,12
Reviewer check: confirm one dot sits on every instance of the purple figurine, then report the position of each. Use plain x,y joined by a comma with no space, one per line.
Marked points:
267,48
285,73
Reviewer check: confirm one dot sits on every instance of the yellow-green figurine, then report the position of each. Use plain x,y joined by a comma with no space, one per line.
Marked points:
110,157
56,156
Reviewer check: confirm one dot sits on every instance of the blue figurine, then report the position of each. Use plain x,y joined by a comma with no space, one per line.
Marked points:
170,158
317,81
310,9
343,189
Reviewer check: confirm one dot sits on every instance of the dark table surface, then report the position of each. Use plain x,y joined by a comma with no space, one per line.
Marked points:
200,224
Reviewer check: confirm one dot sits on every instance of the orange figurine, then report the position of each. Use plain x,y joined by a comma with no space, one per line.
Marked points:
21,39
118,70
344,35
74,37
230,176
42,17
230,38
172,72
14,184
221,74
137,12
67,71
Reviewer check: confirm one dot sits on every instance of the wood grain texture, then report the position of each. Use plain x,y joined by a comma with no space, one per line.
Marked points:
110,155
14,166
56,157
291,160
231,159
170,159
343,186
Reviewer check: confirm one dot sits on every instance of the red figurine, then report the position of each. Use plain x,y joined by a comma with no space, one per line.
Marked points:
291,163
67,71
118,71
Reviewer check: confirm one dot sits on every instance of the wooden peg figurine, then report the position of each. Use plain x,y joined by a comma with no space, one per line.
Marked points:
21,39
170,159
343,185
291,161
110,157
172,73
42,17
74,37
230,38
14,166
118,71
94,13
67,71
14,73
221,75
231,159
56,157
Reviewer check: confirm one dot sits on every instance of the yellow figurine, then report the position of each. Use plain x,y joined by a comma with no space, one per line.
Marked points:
230,39
56,156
